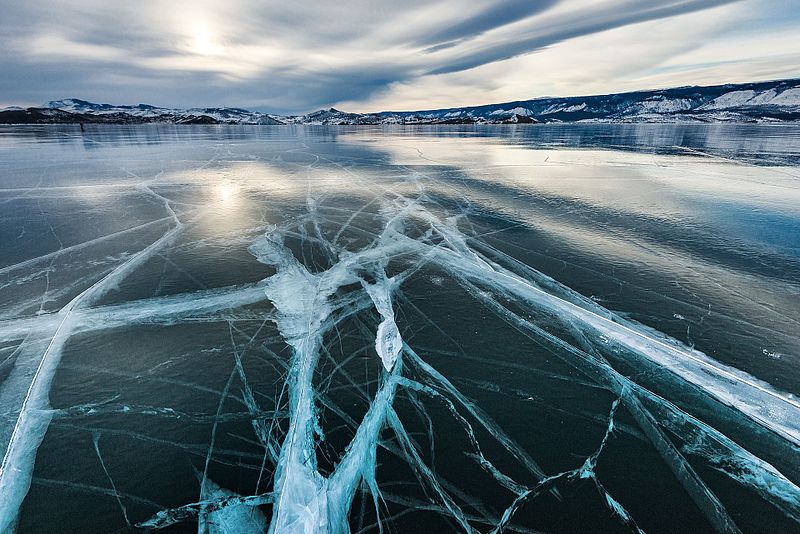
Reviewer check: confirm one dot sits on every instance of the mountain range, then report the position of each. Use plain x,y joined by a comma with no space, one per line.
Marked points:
774,101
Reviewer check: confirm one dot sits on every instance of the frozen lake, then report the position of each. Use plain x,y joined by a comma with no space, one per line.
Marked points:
578,328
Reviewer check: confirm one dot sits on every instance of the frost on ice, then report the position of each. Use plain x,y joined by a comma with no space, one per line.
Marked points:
354,280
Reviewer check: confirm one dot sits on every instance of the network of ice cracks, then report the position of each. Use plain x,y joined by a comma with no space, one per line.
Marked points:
308,304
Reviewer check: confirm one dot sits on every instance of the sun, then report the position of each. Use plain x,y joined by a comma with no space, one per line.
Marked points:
204,42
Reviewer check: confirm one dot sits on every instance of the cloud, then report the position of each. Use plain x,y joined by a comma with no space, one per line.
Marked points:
371,54
488,18
584,20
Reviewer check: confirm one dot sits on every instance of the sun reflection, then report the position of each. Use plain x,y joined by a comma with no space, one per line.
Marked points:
226,192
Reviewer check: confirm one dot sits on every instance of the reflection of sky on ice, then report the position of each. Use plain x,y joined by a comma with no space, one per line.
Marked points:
309,329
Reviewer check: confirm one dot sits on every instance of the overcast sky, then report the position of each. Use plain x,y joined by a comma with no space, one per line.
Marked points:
373,55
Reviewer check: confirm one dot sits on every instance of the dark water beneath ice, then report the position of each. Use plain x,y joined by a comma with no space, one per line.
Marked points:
578,328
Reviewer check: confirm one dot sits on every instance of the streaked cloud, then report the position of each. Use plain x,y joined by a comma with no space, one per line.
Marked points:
372,55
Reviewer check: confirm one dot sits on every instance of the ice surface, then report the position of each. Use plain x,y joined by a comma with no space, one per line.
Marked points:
304,347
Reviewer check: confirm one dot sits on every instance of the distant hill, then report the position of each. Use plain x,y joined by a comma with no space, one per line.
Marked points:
775,101
748,102
74,110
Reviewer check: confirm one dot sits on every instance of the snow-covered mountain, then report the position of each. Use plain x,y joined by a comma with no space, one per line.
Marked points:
750,102
148,113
